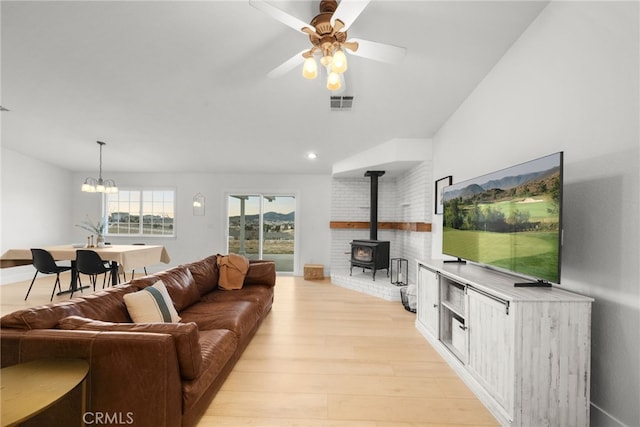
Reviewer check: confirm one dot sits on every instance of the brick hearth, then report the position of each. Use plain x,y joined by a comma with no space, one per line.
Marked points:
363,282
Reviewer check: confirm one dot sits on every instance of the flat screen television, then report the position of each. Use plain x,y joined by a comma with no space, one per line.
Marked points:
510,219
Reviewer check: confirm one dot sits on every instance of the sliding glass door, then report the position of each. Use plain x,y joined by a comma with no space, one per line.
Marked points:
263,227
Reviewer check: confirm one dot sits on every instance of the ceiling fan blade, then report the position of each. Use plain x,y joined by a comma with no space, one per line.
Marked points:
351,45
379,51
280,15
348,11
287,65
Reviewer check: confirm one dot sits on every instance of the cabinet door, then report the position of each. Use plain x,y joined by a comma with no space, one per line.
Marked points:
428,299
491,347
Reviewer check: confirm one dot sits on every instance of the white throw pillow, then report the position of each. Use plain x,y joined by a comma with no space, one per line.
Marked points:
151,305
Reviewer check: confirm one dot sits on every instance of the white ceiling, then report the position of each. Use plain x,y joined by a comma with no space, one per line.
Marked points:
182,86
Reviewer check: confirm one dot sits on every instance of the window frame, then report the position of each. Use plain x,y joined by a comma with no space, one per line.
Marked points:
141,190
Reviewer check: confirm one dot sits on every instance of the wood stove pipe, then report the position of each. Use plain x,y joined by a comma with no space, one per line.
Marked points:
373,225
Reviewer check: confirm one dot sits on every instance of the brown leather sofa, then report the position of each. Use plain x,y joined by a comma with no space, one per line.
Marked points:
145,374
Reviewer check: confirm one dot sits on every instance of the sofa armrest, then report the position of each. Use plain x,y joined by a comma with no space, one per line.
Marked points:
133,377
261,272
185,335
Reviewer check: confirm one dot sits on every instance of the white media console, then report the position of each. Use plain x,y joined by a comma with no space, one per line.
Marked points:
524,352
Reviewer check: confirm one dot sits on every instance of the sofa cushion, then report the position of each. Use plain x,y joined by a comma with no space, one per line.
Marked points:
186,337
205,274
232,269
151,304
260,294
107,305
241,317
179,283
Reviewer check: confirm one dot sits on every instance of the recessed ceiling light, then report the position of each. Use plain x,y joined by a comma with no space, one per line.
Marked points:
312,155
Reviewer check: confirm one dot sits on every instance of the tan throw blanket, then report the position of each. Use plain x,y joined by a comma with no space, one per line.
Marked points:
233,269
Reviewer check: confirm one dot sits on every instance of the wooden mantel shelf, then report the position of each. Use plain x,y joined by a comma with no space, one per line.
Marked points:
404,226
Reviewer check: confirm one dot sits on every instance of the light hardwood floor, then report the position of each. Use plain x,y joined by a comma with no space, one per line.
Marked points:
331,357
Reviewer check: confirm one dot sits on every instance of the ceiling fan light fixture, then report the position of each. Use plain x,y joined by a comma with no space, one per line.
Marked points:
339,62
326,59
310,68
333,81
327,33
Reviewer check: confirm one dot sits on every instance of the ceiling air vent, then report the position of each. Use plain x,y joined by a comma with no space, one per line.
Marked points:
341,103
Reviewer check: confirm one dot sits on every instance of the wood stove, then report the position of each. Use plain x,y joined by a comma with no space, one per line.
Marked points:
373,253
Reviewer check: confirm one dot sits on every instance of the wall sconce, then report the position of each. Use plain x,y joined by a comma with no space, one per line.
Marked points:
198,205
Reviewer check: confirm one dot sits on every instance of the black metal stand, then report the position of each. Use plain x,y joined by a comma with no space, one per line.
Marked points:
456,261
68,291
73,286
537,284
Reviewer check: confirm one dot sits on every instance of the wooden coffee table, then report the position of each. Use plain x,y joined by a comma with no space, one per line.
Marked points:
29,388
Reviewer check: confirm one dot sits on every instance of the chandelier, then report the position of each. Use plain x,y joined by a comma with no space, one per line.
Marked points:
92,185
329,43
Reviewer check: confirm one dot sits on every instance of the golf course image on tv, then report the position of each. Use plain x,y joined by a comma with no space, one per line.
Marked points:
510,219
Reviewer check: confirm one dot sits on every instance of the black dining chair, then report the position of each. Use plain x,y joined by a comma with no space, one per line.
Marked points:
44,263
89,263
120,269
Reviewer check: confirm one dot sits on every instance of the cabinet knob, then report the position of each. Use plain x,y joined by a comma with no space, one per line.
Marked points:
435,305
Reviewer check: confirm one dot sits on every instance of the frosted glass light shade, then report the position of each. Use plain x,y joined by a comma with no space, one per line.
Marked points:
333,81
310,68
326,60
339,63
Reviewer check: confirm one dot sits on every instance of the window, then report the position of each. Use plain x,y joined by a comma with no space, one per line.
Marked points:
140,212
263,227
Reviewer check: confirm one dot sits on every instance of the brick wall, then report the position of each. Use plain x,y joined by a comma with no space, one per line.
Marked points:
407,197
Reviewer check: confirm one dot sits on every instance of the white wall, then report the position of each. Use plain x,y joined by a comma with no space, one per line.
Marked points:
36,206
41,204
200,236
571,83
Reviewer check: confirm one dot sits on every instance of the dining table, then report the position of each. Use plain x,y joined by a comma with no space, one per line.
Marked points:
125,257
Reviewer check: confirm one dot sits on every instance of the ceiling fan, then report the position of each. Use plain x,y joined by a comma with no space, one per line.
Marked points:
327,32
